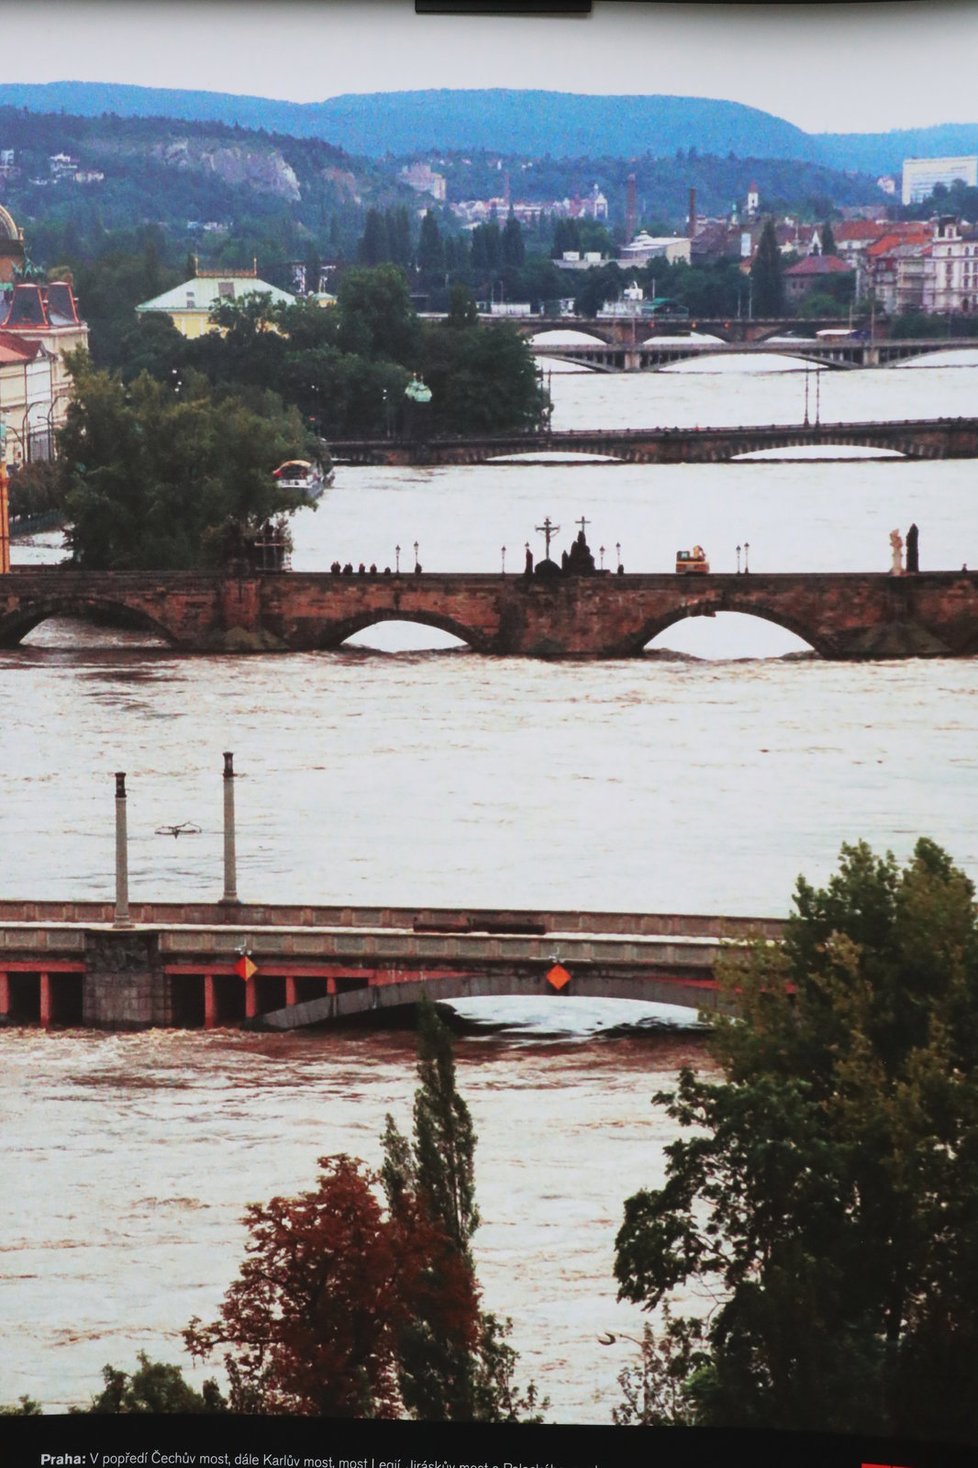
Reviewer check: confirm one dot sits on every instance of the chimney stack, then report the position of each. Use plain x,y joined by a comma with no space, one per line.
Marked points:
630,210
691,229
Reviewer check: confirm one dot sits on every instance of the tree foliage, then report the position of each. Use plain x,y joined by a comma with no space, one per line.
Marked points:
343,1308
154,1387
444,1375
311,1325
767,274
829,1189
152,472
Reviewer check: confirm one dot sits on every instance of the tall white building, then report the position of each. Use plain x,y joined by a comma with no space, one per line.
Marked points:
921,174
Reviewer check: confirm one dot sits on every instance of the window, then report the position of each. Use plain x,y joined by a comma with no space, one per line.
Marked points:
225,290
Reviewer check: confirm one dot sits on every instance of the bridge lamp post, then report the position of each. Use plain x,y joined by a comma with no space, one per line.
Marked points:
746,554
503,554
618,552
416,561
601,554
738,560
397,558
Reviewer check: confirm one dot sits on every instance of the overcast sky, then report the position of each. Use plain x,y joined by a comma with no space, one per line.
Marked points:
827,67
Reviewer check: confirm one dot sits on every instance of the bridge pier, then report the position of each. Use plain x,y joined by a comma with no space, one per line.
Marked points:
124,984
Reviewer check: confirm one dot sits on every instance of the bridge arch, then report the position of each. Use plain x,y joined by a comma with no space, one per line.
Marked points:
691,993
340,632
709,607
838,436
92,609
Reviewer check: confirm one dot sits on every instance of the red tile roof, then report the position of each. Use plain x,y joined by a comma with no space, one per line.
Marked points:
14,349
819,265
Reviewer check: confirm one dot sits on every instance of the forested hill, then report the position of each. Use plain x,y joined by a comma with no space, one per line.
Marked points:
72,178
528,123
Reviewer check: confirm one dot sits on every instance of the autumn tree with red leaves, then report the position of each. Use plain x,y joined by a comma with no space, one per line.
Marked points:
342,1309
310,1326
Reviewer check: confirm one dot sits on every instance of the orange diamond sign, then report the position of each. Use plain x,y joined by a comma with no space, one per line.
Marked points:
244,968
557,977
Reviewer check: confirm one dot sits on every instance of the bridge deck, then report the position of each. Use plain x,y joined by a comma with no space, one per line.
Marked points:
65,963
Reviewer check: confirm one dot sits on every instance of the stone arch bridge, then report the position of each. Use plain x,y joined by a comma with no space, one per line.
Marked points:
846,615
943,438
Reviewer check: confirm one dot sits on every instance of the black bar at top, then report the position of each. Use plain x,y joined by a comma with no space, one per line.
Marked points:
501,7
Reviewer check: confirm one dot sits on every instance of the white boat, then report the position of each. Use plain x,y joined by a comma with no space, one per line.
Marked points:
303,475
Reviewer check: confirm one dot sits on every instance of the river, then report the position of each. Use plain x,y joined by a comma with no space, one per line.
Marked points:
702,778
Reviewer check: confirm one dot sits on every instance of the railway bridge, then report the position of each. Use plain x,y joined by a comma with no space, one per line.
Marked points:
845,615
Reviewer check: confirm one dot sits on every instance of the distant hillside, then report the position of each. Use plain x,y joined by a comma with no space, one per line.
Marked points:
531,123
524,123
884,152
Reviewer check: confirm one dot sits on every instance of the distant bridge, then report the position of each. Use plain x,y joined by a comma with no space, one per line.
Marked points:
64,964
646,355
847,615
920,438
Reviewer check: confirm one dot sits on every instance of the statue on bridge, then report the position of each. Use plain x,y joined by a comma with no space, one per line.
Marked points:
580,561
913,558
896,549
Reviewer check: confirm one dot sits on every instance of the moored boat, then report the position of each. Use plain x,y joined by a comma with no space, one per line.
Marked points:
308,478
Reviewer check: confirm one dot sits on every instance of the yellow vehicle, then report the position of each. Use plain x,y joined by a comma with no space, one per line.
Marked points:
692,561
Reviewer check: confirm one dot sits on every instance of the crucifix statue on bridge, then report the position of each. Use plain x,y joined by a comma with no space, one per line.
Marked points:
582,522
548,530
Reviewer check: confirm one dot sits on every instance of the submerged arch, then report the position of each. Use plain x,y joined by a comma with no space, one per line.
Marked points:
693,993
95,611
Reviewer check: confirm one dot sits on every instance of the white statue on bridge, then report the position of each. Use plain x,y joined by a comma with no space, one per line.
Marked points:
896,546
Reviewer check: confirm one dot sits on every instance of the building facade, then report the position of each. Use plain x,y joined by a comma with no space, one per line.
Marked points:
39,324
921,174
189,305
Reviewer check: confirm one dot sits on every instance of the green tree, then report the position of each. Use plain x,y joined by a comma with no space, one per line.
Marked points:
767,274
154,1387
604,283
829,1189
513,244
445,1374
431,248
24,1407
482,378
828,239
151,473
376,318
374,245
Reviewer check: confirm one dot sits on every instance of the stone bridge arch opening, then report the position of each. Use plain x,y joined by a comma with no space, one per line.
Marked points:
398,632
61,623
723,635
514,1003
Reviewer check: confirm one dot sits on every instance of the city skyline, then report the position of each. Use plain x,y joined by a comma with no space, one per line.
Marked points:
864,67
